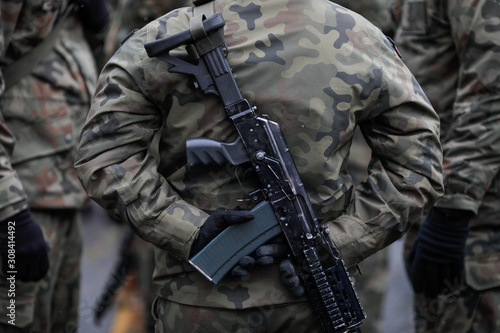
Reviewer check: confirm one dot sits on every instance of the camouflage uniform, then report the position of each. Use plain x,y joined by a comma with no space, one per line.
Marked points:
45,111
315,67
453,49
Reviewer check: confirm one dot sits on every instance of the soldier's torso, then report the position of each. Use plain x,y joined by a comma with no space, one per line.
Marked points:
46,109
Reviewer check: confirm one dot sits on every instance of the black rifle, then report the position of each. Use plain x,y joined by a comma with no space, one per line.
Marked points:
323,273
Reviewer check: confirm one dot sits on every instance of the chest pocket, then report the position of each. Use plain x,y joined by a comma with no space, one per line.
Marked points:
414,17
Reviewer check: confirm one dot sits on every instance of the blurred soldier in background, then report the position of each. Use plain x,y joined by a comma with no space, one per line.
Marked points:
49,75
134,14
453,49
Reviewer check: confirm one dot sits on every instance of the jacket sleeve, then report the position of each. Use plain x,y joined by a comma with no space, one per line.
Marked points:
12,196
117,167
457,62
405,172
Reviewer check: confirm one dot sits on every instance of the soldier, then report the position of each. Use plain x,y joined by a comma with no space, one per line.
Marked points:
49,75
319,70
453,49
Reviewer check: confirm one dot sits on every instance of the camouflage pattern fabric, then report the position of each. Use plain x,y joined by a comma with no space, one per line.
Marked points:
46,120
463,310
134,14
354,78
12,196
371,285
51,305
453,48
44,112
127,16
176,317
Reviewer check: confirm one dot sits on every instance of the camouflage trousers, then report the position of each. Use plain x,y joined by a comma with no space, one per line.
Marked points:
50,305
371,287
143,253
461,310
180,318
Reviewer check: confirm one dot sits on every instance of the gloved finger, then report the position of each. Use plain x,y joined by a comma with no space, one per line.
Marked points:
265,261
295,286
230,217
290,278
239,271
43,267
450,277
25,268
287,269
434,283
247,262
417,276
32,265
32,272
276,251
456,276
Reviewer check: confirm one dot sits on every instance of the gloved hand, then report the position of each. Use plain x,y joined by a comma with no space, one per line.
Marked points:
290,278
94,14
216,223
437,257
275,251
31,261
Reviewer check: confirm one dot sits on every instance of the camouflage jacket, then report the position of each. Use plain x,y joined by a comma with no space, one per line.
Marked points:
314,67
453,49
46,109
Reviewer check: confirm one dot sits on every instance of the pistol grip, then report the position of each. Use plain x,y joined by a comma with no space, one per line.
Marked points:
202,151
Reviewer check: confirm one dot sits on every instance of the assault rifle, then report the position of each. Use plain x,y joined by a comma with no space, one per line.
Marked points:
283,205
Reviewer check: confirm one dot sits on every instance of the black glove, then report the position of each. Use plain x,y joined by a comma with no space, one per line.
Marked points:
290,278
30,260
94,14
216,223
437,257
275,251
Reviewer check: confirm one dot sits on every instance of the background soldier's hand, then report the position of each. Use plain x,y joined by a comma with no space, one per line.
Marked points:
31,261
437,257
216,223
275,251
94,14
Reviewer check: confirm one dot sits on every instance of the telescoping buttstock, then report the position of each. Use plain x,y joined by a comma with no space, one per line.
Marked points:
162,46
